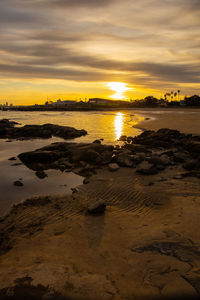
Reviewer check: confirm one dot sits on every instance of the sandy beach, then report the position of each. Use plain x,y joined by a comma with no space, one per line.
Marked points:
145,246
185,120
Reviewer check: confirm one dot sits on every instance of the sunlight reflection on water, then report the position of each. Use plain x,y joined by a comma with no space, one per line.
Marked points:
118,125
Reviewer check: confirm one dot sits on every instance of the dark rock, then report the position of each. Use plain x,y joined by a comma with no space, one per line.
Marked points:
98,207
123,138
191,174
97,142
180,157
191,164
124,159
74,190
86,181
8,130
146,168
18,183
129,139
136,148
40,174
106,157
12,158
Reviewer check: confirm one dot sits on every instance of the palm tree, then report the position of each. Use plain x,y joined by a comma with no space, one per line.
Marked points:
178,94
172,95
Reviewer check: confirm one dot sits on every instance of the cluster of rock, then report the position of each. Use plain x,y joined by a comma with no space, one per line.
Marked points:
8,130
150,153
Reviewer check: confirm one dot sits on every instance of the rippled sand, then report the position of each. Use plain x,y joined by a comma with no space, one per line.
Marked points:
145,245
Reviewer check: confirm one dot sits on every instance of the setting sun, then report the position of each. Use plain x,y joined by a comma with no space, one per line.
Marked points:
119,88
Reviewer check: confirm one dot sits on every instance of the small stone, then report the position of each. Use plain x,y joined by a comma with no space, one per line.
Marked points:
146,168
41,174
150,183
18,183
97,207
113,167
177,177
97,142
12,158
74,190
86,181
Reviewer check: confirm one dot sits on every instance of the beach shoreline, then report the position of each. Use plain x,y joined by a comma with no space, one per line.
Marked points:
51,246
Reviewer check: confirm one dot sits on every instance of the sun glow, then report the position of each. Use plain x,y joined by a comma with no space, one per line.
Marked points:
119,88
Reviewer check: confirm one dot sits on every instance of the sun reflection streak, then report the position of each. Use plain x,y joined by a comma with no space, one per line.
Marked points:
118,124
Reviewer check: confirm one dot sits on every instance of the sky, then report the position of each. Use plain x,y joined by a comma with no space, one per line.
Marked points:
72,49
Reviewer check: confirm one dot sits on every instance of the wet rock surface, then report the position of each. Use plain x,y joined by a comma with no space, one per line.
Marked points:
9,131
150,153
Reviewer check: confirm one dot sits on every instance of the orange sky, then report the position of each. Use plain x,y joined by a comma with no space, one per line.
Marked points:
72,49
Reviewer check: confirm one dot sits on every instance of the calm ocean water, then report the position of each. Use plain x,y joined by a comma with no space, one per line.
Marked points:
107,125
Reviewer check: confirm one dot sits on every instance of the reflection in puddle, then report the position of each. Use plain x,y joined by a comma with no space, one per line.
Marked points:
57,183
118,125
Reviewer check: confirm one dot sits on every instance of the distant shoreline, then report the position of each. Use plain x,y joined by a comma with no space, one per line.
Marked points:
25,108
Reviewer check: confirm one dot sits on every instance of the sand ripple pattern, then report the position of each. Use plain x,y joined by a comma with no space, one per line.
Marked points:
126,195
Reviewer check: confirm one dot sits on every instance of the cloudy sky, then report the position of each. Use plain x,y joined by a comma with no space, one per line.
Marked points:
73,49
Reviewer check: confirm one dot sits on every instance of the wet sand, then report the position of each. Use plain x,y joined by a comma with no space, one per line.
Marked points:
145,246
185,120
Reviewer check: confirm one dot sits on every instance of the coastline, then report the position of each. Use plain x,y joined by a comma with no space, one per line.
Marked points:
172,120
150,228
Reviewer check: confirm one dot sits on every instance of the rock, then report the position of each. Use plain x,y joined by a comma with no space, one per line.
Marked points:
123,138
177,177
129,139
179,157
113,167
191,174
86,180
97,142
106,157
165,160
146,168
18,183
124,159
39,156
40,174
74,190
191,164
136,148
12,158
8,130
98,207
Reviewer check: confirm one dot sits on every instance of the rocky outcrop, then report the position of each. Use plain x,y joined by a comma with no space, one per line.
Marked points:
150,153
9,131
